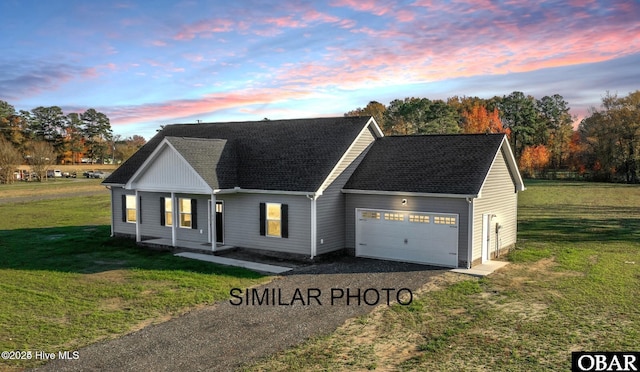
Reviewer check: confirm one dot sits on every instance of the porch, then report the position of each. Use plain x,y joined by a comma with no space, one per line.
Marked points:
190,245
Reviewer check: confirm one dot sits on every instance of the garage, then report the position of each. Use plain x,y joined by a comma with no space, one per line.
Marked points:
421,237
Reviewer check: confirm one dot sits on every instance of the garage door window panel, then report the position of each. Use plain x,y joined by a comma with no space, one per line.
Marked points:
444,220
399,217
419,218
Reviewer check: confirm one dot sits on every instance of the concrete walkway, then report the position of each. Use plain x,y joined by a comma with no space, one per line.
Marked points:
256,266
483,269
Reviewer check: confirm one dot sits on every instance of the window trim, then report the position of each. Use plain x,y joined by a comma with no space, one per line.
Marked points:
181,213
167,212
284,220
267,220
127,200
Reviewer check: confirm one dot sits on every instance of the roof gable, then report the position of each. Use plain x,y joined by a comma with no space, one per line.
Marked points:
432,164
166,170
284,155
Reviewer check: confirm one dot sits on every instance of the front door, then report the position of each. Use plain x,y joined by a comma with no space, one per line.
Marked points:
219,222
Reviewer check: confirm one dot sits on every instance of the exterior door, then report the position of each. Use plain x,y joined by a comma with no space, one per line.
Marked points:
219,222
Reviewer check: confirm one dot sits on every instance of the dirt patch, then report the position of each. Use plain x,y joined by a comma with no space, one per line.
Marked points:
113,276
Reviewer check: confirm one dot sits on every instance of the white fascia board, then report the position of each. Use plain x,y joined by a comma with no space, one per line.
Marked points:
325,183
175,190
511,161
146,163
511,164
376,128
113,184
156,152
408,193
238,190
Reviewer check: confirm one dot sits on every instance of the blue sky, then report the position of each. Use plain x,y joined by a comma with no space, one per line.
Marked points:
148,63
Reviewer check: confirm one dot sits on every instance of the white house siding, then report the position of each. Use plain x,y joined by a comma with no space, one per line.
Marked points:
120,227
330,206
242,222
498,196
169,171
415,204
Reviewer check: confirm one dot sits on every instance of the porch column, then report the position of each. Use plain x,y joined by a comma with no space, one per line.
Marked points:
137,218
174,218
212,218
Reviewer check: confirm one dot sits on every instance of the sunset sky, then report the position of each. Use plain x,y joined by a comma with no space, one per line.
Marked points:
148,63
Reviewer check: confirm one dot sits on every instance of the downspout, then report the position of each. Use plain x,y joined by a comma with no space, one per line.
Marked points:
174,208
137,217
212,219
314,228
470,233
112,211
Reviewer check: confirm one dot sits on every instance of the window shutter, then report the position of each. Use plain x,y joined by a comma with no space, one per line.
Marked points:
124,208
140,208
284,220
162,212
194,213
263,219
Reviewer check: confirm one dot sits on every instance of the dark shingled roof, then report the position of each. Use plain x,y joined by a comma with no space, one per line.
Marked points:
440,164
288,155
213,159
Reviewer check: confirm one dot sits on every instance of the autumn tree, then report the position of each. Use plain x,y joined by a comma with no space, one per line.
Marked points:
478,120
42,156
124,148
373,108
10,159
534,159
74,140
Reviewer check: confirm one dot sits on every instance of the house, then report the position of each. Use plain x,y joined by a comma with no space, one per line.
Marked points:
313,186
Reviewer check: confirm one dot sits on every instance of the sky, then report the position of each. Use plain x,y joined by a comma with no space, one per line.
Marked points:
150,63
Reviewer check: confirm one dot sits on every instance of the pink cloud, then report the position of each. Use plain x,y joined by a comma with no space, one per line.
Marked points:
368,6
206,105
205,28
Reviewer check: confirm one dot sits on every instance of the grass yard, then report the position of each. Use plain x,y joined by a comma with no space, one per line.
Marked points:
572,285
65,284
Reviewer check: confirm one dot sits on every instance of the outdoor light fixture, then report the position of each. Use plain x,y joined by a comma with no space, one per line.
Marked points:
404,201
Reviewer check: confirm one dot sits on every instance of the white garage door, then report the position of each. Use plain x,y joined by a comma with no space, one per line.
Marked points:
429,238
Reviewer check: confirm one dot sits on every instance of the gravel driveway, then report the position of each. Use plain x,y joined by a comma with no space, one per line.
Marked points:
222,337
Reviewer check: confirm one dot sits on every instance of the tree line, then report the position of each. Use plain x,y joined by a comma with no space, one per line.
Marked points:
45,136
605,145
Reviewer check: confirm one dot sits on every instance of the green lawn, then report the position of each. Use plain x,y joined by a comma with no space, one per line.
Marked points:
572,285
64,283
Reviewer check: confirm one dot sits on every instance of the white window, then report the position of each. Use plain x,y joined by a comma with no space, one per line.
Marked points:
442,220
419,218
394,216
168,212
274,219
131,206
369,215
184,205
